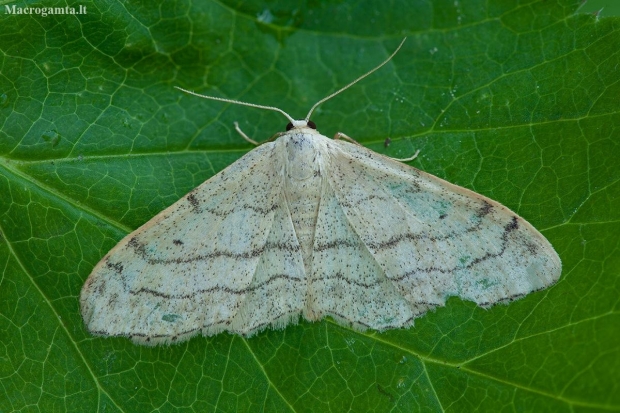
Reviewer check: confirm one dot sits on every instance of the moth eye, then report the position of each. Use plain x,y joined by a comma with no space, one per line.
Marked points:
311,124
289,126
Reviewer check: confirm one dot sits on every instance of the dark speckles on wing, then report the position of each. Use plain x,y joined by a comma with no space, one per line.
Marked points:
259,210
191,198
320,247
117,267
360,201
484,210
219,212
136,246
514,224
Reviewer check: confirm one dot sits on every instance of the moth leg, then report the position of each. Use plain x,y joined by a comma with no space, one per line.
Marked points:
244,136
411,158
274,137
252,141
341,135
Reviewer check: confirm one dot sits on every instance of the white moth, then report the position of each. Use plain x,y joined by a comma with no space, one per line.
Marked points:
298,227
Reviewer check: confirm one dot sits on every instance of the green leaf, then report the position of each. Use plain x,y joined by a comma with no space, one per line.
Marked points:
517,100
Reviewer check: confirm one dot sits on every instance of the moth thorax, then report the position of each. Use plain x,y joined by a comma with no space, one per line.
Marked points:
302,156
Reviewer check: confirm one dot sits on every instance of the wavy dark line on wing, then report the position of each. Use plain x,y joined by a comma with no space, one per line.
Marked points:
409,190
512,226
214,288
140,249
195,203
410,236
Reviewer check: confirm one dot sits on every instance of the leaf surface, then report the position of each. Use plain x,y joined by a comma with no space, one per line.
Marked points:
517,100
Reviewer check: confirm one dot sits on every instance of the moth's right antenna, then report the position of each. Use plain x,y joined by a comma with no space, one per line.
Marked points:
355,81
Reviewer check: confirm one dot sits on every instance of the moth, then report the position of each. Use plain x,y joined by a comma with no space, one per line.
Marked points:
297,227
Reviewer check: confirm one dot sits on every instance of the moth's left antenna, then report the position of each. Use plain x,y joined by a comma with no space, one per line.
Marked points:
238,102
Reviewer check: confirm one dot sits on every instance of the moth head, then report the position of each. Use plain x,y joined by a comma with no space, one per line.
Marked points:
300,124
